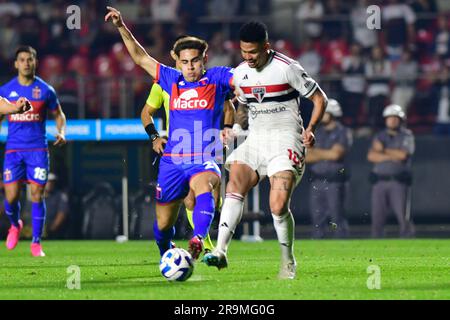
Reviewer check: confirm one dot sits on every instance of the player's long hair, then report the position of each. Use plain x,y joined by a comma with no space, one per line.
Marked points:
190,43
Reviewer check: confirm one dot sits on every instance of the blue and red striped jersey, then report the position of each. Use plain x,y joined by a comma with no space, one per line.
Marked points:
27,130
196,110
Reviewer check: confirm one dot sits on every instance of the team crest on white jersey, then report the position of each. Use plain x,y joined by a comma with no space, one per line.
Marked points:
259,93
13,94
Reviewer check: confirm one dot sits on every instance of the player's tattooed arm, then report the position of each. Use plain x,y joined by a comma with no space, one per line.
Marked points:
137,52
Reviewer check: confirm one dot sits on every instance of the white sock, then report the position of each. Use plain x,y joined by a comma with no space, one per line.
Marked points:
285,228
230,216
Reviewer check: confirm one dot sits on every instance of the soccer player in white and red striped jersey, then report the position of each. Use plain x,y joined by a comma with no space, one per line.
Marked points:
270,85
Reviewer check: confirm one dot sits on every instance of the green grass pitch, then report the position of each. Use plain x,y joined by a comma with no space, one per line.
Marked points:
327,269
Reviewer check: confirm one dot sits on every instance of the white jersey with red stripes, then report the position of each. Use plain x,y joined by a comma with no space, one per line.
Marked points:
272,93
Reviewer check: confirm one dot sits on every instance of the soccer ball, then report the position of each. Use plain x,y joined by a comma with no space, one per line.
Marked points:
176,265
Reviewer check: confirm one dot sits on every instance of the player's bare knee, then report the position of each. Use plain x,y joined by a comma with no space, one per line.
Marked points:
37,195
12,198
234,186
163,226
189,203
278,207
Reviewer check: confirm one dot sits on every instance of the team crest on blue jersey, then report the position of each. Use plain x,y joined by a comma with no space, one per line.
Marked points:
37,93
7,175
158,194
259,93
203,81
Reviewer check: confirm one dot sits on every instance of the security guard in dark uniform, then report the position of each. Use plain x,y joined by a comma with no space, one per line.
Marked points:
391,178
328,174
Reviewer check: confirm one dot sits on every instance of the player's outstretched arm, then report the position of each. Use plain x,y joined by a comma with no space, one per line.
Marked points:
22,105
320,100
60,119
137,52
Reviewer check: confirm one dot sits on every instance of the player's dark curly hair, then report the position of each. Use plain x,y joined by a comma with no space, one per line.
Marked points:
28,49
190,43
254,31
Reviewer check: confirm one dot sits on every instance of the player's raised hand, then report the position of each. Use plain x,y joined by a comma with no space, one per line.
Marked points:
308,138
159,144
23,105
60,140
115,15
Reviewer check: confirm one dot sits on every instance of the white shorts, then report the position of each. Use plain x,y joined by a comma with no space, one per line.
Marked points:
269,154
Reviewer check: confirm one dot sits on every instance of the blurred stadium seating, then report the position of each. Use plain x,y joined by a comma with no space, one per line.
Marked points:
101,54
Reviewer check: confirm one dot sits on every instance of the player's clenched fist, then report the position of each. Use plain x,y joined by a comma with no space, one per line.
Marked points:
115,15
308,138
22,105
159,144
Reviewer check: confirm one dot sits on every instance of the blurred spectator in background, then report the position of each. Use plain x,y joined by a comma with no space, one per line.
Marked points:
391,177
255,7
405,76
310,58
9,38
309,14
225,9
364,36
426,99
218,55
353,84
398,28
378,73
441,41
9,8
58,35
164,10
57,202
425,11
189,13
91,33
30,26
328,174
336,20
157,43
443,113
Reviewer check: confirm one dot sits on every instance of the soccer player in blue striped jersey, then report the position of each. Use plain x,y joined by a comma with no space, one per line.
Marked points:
21,105
188,160
26,156
158,98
